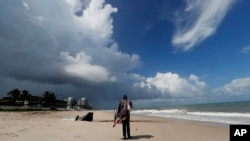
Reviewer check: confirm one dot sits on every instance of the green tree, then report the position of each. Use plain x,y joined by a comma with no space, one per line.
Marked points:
25,96
49,98
14,95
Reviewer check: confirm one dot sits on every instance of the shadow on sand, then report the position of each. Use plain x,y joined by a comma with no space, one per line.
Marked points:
137,137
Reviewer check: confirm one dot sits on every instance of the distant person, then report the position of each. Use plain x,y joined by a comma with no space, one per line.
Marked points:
124,109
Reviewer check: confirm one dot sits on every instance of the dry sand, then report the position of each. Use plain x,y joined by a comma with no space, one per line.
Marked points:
60,126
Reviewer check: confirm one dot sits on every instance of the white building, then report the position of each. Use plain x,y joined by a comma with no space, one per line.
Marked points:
81,103
71,103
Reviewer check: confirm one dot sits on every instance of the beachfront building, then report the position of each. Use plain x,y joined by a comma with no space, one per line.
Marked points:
71,103
81,103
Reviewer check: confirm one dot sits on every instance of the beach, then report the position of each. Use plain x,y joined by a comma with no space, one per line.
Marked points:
61,126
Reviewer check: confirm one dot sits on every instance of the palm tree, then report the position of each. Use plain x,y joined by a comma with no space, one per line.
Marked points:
14,94
49,98
25,96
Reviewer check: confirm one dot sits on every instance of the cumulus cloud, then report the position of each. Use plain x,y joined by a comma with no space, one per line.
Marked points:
172,85
68,49
137,77
80,66
198,21
95,20
245,50
59,46
235,88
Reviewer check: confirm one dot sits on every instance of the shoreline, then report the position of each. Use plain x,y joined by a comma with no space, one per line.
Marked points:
160,118
60,125
219,124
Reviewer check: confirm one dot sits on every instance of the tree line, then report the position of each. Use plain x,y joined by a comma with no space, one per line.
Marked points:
18,97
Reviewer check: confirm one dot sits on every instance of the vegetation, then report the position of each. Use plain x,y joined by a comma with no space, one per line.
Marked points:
48,99
25,97
14,95
20,98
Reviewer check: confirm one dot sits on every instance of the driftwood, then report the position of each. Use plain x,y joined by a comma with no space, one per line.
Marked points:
87,117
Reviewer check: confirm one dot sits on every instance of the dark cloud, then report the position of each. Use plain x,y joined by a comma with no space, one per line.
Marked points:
53,48
67,47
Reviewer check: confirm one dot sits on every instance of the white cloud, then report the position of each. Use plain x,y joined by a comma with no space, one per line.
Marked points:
59,46
137,77
75,54
236,87
198,21
245,49
171,84
196,80
80,66
25,4
96,20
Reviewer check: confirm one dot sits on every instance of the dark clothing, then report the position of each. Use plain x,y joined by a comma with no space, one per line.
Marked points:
124,113
126,127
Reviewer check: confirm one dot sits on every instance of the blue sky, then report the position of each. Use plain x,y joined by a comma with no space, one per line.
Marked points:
161,52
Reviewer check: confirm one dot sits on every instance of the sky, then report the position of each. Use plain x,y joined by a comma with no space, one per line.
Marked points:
159,53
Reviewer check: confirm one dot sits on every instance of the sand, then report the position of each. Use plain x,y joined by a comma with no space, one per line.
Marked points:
60,126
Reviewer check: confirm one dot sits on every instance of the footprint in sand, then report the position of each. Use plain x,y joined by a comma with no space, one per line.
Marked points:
10,134
23,130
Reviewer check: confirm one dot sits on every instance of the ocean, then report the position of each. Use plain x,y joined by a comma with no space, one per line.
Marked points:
225,113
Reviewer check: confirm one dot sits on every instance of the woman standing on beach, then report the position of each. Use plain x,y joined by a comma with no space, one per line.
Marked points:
124,108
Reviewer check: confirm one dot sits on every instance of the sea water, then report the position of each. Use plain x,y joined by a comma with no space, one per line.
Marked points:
224,113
